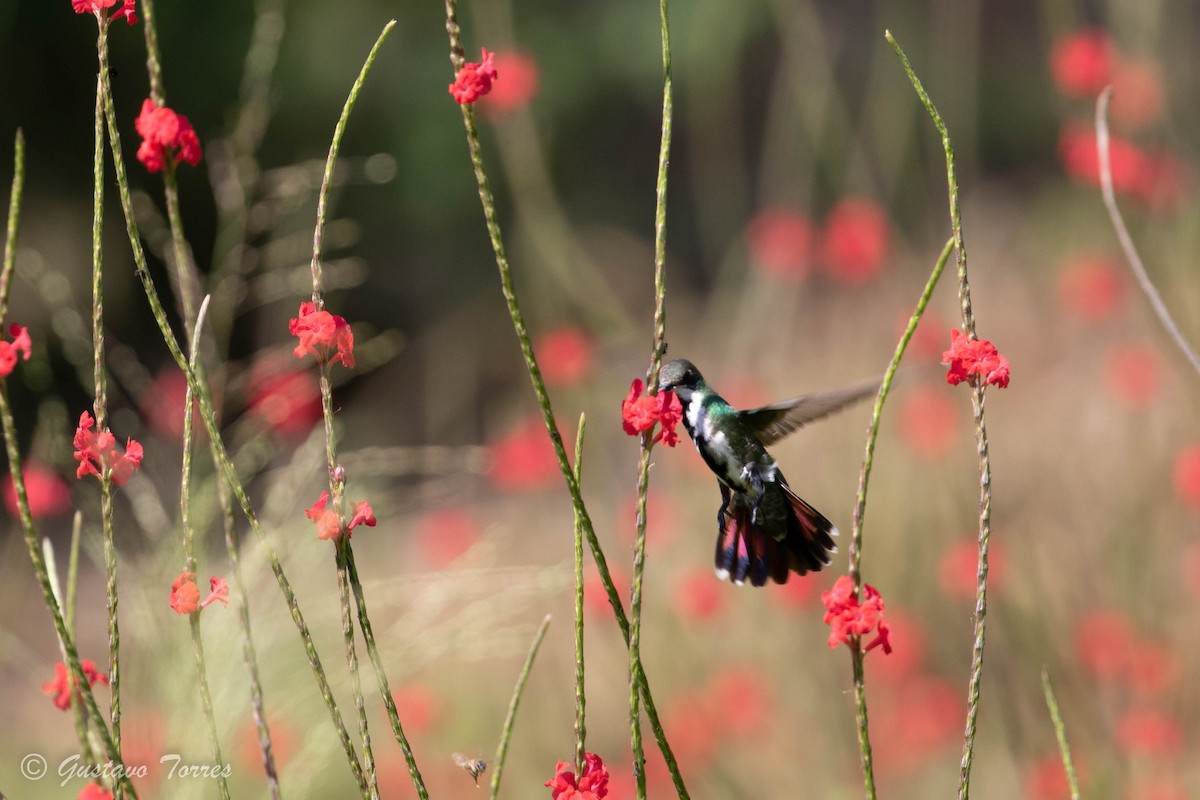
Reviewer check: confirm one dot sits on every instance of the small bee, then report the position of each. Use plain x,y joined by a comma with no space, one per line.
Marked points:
473,766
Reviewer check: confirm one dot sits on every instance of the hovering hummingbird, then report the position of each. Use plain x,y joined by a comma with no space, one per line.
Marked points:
764,529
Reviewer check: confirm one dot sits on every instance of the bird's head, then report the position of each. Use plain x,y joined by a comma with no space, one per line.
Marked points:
680,376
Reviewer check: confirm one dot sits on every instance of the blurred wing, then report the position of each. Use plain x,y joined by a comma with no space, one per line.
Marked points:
771,423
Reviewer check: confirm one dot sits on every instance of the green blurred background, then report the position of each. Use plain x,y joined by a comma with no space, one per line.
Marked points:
782,106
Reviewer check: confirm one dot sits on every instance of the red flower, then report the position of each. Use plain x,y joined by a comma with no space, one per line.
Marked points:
524,459
60,689
185,594
286,400
1157,787
967,357
94,791
1092,287
856,241
903,666
1103,641
128,7
595,598
418,707
473,80
1186,476
446,535
1082,62
960,562
592,783
781,243
1156,179
20,345
97,453
167,138
320,333
1132,375
698,597
564,355
640,414
847,617
329,524
1149,733
519,86
924,715
929,422
1046,778
1137,98
47,492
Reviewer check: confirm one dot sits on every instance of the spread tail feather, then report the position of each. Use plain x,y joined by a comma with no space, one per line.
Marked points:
745,550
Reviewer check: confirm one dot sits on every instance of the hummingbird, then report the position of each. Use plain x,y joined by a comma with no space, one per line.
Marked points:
764,529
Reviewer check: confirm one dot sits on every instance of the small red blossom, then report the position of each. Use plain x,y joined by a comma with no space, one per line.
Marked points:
960,562
699,598
97,7
524,459
321,333
1092,287
591,784
47,492
19,346
285,400
968,356
329,525
167,138
519,86
847,617
60,687
856,241
595,598
1149,733
1103,641
97,453
640,413
1137,98
781,242
162,404
473,80
1046,778
1157,179
921,717
1082,62
929,422
94,791
419,706
1133,375
1186,476
185,594
446,535
564,355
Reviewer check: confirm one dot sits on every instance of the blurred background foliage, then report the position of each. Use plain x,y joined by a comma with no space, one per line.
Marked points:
807,205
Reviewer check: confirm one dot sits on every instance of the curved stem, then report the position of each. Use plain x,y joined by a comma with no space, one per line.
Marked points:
510,717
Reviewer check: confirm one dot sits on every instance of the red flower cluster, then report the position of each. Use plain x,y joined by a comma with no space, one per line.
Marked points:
523,459
641,413
519,86
1092,287
473,80
60,687
856,241
321,333
1082,62
781,243
94,791
1149,733
185,595
959,565
97,453
967,357
1154,178
329,524
128,7
565,356
167,137
851,248
20,345
1186,476
592,783
47,493
847,617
